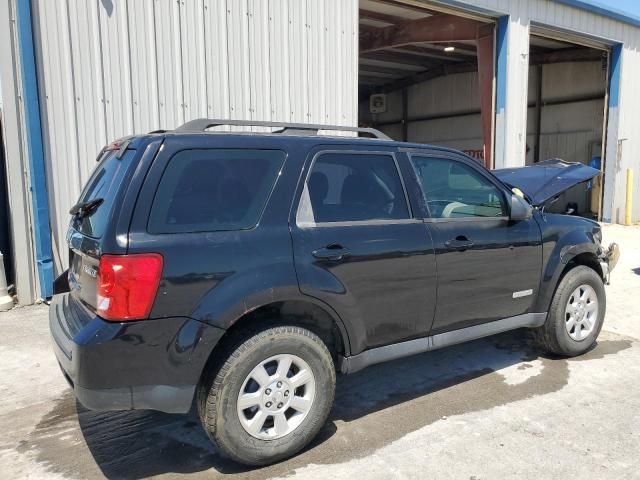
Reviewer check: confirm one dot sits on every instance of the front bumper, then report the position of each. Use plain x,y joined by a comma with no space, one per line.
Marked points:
148,364
608,261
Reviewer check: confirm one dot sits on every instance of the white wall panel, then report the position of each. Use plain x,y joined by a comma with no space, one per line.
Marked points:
259,51
192,45
217,59
109,68
298,65
144,78
168,63
279,60
515,141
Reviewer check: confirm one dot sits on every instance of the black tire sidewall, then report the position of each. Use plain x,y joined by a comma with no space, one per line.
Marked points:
230,434
572,280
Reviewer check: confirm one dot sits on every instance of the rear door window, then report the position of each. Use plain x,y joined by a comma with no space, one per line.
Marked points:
352,187
206,190
104,183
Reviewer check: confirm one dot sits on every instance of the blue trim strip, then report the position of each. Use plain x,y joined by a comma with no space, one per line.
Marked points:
501,63
603,10
614,75
33,133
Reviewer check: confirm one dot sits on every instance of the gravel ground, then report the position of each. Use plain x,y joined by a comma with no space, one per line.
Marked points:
493,408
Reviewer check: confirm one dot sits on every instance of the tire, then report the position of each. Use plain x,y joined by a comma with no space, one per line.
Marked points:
570,330
233,430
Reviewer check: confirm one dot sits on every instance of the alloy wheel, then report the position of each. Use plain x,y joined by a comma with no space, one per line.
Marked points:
581,312
276,397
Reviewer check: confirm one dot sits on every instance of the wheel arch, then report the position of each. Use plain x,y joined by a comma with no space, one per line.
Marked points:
577,255
302,311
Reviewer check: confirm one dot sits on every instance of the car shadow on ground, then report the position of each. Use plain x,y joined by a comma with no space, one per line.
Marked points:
425,388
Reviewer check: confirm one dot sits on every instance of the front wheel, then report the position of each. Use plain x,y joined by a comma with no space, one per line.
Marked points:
270,397
576,314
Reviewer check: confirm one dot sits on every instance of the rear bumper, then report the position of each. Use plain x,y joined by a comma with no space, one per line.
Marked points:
149,364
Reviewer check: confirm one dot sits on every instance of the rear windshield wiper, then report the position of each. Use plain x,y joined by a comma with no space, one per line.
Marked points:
86,209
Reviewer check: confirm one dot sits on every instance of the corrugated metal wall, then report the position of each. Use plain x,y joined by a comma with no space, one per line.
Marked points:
568,130
108,68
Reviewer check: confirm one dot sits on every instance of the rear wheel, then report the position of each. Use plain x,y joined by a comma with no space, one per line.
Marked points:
576,314
270,397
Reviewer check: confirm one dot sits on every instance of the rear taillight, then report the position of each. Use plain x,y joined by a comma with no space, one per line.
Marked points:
127,285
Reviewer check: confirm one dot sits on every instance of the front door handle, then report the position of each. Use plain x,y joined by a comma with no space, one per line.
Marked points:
460,243
333,252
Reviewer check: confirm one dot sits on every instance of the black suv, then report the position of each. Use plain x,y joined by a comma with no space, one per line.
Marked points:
242,270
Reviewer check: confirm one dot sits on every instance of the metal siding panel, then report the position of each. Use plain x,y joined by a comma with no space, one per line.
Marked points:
279,60
116,62
346,60
83,87
259,51
167,41
59,120
193,56
109,69
315,25
352,86
298,87
331,73
238,49
144,81
216,58
98,75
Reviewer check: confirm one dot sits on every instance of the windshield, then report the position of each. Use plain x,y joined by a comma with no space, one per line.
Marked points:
104,184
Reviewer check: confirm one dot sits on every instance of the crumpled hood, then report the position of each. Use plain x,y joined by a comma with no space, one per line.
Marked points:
548,179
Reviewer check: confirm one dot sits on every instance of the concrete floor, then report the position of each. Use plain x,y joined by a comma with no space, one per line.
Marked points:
493,408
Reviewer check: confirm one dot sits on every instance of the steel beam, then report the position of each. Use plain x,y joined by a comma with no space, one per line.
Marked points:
437,28
486,71
381,17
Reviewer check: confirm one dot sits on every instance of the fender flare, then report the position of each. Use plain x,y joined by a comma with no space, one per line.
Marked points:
564,252
226,318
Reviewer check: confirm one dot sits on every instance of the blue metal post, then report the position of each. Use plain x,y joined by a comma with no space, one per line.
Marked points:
614,75
501,63
33,135
502,32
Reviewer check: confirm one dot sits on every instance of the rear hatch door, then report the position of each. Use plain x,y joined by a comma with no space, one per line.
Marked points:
93,213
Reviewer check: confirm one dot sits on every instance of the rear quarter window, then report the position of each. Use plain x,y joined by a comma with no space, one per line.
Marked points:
208,190
105,183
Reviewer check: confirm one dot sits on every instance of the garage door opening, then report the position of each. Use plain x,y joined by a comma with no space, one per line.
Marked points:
427,76
566,113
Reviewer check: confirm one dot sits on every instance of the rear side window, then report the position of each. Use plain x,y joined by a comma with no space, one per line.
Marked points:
104,183
213,189
348,187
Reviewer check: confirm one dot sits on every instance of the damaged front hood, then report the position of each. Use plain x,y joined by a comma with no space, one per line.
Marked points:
548,179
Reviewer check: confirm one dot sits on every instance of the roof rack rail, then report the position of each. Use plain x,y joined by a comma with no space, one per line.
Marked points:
202,124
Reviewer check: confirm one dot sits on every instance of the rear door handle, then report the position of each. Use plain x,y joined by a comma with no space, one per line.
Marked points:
333,252
460,243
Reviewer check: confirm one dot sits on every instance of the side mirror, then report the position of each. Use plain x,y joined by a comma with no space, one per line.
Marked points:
520,208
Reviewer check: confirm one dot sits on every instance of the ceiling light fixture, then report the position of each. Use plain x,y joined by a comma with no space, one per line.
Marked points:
449,48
